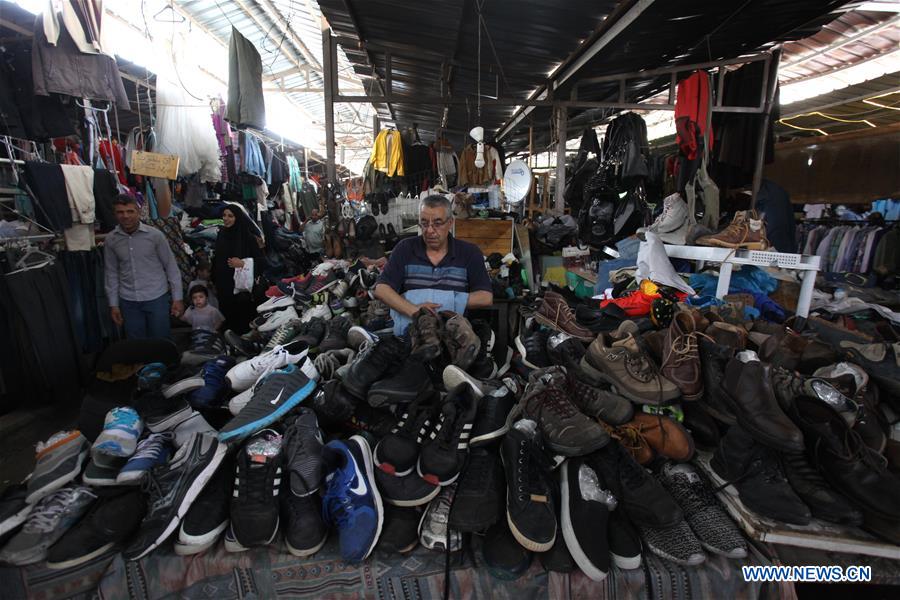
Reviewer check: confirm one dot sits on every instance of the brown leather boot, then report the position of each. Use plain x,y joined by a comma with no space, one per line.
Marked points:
746,230
631,439
726,334
555,312
681,357
664,435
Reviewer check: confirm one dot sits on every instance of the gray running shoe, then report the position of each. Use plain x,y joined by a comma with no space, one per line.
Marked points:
59,461
433,527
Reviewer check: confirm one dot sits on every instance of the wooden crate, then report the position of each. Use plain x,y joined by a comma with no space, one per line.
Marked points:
489,235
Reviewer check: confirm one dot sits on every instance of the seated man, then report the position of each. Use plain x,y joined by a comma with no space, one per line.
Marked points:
433,271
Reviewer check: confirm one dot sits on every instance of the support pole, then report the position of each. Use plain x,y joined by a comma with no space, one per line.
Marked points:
561,116
770,84
330,74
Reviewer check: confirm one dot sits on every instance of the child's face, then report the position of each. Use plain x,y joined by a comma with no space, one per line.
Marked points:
199,300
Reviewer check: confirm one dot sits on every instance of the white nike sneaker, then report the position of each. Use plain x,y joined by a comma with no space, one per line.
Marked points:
275,304
243,375
321,311
278,319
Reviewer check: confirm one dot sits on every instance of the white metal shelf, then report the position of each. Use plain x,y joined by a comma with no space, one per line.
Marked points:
728,257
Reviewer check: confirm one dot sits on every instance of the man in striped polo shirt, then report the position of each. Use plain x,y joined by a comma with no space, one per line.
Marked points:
434,270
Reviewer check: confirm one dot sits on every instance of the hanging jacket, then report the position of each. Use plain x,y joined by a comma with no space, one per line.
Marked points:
387,153
691,112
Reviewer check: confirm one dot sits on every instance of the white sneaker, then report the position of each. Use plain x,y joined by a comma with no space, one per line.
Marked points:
275,304
340,289
237,404
278,319
320,310
242,376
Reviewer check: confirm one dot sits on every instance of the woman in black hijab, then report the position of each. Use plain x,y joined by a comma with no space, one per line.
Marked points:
240,238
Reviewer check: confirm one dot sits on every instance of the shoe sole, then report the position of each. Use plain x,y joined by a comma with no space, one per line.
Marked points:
280,303
416,501
80,560
697,559
627,563
250,428
547,322
501,371
524,541
203,541
172,421
594,375
196,487
370,475
521,348
736,553
303,552
580,450
59,482
454,376
15,520
379,464
581,559
183,387
130,477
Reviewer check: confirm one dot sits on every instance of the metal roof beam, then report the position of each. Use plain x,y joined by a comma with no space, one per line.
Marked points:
841,42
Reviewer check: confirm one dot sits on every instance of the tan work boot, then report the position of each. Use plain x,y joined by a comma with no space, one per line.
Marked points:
624,365
745,231
681,356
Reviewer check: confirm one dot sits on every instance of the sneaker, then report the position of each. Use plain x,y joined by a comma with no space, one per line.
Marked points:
255,504
319,311
320,283
276,303
495,412
304,530
207,518
352,503
377,422
564,429
205,346
408,490
277,319
161,413
411,382
241,346
332,404
400,533
357,336
484,366
530,509
624,541
174,488
624,365
121,430
274,396
48,521
372,363
214,383
605,405
151,376
643,499
336,336
434,530
328,363
584,514
744,231
99,475
303,453
705,516
677,544
285,334
179,388
311,332
504,556
194,424
13,509
243,375
58,461
443,455
424,333
564,350
558,559
153,451
479,492
396,454
533,348
111,521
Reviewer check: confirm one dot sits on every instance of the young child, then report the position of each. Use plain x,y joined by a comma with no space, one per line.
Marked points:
202,276
200,314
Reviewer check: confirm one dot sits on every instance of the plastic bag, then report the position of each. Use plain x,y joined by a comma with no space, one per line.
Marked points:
243,277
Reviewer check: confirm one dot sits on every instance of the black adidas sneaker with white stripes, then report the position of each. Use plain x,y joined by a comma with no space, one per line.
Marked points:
397,452
444,451
254,502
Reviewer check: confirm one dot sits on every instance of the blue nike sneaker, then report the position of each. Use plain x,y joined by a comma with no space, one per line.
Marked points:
352,503
214,383
273,397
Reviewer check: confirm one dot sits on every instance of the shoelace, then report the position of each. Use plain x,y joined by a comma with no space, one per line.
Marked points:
46,516
255,483
629,436
326,364
283,334
152,446
529,467
557,402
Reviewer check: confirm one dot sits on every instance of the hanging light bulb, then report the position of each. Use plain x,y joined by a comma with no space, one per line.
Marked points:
477,134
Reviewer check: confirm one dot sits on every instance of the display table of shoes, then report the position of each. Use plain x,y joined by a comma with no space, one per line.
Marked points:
818,534
727,257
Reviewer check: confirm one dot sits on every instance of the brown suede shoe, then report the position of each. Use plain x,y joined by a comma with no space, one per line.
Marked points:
664,435
726,334
631,439
461,341
745,231
681,357
424,334
555,312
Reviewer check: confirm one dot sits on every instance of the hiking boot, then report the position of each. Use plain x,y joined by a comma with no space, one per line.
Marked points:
601,404
434,530
555,312
409,490
714,358
412,381
460,340
564,428
753,472
725,334
336,338
58,461
311,332
584,514
705,516
665,436
478,499
565,350
425,334
371,364
677,544
530,511
624,365
681,359
532,345
746,230
443,455
255,510
397,453
333,405
748,387
641,496
303,453
845,461
824,503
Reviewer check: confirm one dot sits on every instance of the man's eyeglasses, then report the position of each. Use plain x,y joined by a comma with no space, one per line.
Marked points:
437,224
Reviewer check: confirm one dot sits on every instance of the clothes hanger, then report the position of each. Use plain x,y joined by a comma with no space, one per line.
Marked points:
31,252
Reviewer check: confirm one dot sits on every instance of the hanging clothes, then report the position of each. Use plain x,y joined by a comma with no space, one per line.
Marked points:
491,172
246,105
184,128
387,153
